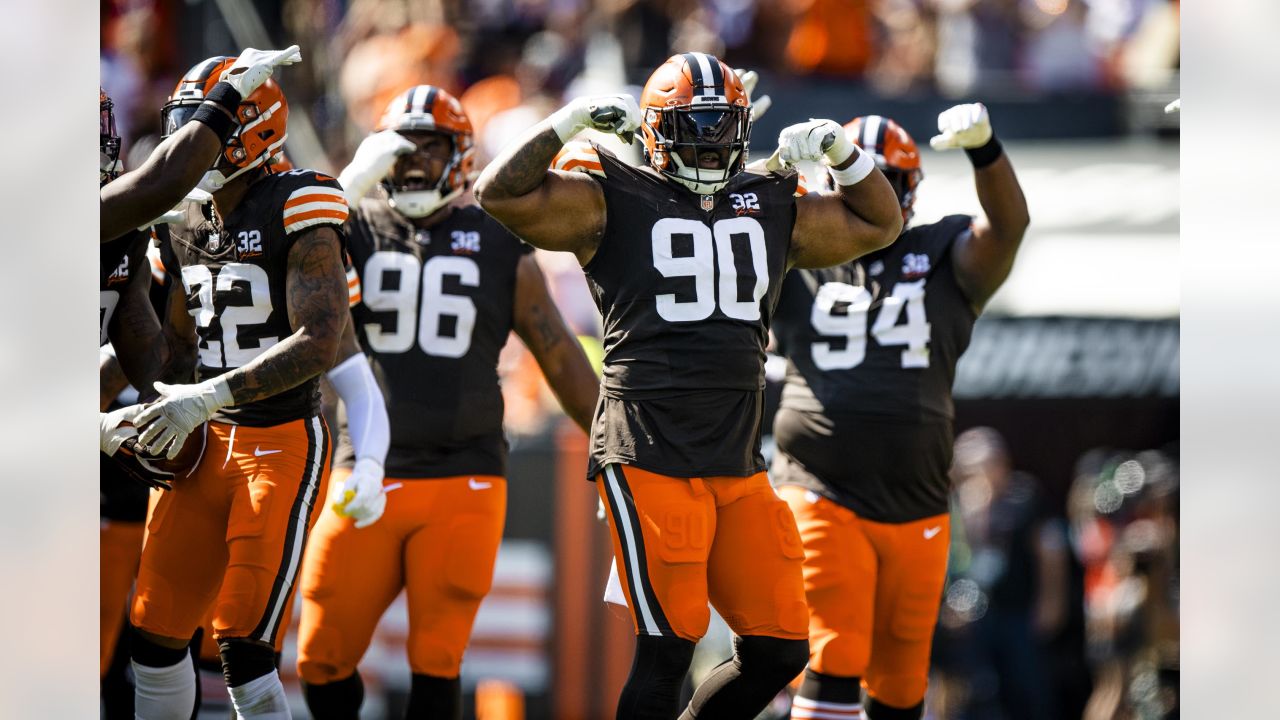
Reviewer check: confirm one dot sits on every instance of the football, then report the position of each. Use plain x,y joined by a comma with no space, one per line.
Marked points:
161,471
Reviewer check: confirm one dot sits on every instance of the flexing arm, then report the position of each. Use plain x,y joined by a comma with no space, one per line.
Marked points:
550,209
138,197
136,335
984,257
860,216
543,330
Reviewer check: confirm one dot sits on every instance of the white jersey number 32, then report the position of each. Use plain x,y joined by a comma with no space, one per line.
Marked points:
852,324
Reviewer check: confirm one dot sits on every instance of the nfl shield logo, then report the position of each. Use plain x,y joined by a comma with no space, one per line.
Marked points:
215,239
708,202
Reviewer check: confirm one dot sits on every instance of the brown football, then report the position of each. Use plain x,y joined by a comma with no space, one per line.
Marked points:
180,466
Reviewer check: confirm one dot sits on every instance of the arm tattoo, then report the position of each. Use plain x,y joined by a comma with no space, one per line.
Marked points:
523,166
546,333
317,297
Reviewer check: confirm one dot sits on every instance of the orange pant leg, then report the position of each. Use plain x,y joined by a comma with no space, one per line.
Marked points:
755,566
662,529
349,578
119,548
449,564
273,476
913,568
184,555
840,573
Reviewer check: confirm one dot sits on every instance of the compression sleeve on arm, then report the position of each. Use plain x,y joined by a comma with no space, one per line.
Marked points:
366,409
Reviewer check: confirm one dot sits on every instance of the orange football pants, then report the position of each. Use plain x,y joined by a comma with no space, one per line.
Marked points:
119,547
874,590
438,540
680,542
229,537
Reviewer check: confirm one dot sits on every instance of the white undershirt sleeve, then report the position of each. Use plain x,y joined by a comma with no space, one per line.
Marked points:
366,409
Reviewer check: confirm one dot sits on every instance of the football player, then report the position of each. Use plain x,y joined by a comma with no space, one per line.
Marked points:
685,257
437,290
134,328
178,164
864,431
257,309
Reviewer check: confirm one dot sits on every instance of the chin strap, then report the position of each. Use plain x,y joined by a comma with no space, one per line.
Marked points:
406,198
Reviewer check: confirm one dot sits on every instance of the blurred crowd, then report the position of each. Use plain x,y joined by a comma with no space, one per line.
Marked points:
1054,616
510,60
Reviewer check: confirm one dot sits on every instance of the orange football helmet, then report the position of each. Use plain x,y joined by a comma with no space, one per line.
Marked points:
109,142
692,105
429,109
895,154
262,121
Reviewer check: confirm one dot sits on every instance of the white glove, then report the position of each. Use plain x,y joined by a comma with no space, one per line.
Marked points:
814,141
760,105
373,160
253,67
110,434
178,214
617,114
179,411
360,496
963,126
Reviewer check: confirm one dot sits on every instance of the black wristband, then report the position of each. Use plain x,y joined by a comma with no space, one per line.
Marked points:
985,155
218,111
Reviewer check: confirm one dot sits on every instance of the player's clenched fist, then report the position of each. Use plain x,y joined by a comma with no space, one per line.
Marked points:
617,114
813,141
962,127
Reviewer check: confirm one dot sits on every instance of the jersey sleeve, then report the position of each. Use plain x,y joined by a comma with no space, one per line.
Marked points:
313,199
170,265
353,283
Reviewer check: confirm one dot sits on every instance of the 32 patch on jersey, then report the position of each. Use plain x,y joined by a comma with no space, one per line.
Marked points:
915,265
465,242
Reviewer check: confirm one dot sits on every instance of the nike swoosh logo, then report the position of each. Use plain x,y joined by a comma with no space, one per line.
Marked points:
476,485
259,452
930,532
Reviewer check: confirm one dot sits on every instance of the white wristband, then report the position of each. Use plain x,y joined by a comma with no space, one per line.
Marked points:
855,173
567,122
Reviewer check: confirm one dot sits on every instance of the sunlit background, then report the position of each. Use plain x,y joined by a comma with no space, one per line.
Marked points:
1075,363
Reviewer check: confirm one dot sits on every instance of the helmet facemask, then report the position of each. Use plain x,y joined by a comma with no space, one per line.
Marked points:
260,130
686,136
413,193
109,142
